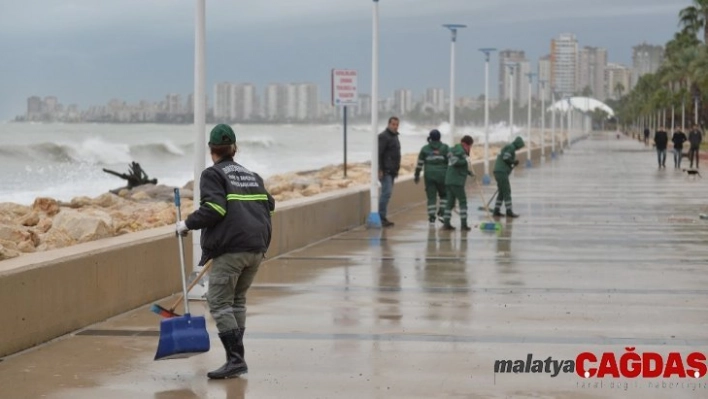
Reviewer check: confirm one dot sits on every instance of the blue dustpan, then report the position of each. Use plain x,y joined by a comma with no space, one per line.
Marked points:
184,336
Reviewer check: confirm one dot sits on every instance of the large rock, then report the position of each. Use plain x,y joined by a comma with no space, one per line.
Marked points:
46,205
6,253
80,202
84,226
106,200
14,209
55,238
30,219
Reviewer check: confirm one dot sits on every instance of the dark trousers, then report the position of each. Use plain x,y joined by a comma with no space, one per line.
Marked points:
435,189
504,191
693,153
456,193
678,154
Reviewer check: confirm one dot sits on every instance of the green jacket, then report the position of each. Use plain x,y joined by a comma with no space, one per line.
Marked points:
457,166
507,156
433,157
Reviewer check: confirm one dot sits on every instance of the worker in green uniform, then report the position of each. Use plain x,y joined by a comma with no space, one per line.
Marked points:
455,177
433,160
506,160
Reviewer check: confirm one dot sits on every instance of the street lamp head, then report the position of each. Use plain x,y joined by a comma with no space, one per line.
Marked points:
487,51
453,29
511,66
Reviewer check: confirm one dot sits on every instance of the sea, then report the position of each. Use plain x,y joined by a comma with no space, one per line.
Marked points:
63,161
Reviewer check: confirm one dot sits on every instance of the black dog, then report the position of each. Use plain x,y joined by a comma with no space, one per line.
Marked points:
693,172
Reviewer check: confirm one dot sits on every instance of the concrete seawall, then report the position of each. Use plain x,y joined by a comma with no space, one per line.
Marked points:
49,294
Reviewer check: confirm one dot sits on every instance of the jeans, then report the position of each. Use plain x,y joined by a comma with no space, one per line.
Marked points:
661,155
386,191
677,157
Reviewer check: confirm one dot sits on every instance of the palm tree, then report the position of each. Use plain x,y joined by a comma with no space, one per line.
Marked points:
619,90
695,17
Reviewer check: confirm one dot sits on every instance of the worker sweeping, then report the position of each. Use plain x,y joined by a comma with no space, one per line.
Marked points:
235,219
455,178
433,161
506,160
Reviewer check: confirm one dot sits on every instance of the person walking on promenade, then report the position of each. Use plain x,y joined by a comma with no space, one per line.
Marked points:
646,135
432,159
661,140
235,219
389,165
455,178
506,161
695,137
678,138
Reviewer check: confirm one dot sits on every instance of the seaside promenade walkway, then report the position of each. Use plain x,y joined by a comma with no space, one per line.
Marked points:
609,253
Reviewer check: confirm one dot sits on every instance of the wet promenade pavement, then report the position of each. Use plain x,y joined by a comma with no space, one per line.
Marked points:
609,253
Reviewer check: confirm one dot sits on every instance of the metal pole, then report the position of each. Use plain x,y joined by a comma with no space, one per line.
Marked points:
683,113
543,119
453,31
553,124
374,220
695,110
345,141
528,122
199,132
486,180
511,102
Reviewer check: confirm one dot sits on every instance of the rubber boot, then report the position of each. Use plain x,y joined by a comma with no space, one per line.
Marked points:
239,346
464,226
511,214
235,365
497,213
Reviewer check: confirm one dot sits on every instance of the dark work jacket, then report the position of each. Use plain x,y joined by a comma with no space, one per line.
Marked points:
678,139
389,153
235,211
695,138
661,138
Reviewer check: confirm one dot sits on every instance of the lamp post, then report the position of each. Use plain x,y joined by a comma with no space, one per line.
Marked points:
528,123
543,118
374,219
199,290
553,124
453,31
486,180
511,99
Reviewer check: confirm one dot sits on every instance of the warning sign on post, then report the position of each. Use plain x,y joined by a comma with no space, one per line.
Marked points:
344,86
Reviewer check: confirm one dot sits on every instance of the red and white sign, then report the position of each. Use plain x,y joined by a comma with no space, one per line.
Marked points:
344,84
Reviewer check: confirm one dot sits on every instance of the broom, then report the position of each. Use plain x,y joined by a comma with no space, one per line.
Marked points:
491,225
167,313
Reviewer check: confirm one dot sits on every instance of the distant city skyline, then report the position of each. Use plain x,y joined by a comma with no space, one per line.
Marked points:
108,51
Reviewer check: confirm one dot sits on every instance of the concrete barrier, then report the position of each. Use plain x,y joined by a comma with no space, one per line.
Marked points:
48,294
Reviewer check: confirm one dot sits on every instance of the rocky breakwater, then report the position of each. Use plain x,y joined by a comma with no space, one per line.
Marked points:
49,224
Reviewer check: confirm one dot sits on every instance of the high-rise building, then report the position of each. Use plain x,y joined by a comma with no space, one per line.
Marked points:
274,104
50,104
402,101
307,100
564,64
544,74
618,80
244,102
591,71
518,58
646,59
364,107
34,108
223,101
435,97
174,103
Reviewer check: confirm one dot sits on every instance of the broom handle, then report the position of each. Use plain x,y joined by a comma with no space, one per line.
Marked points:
179,300
181,251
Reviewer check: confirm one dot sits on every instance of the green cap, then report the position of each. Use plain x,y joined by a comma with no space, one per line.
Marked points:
222,134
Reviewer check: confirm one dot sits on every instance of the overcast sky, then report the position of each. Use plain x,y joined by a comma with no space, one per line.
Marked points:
89,51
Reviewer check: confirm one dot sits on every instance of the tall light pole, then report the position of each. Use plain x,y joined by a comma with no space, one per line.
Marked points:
511,99
486,179
553,124
543,118
453,30
528,123
374,220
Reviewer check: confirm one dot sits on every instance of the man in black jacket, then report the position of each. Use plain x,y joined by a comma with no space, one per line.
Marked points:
235,219
695,137
661,139
389,165
678,138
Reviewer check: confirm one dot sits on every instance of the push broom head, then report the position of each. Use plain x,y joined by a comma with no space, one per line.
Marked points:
490,226
157,309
